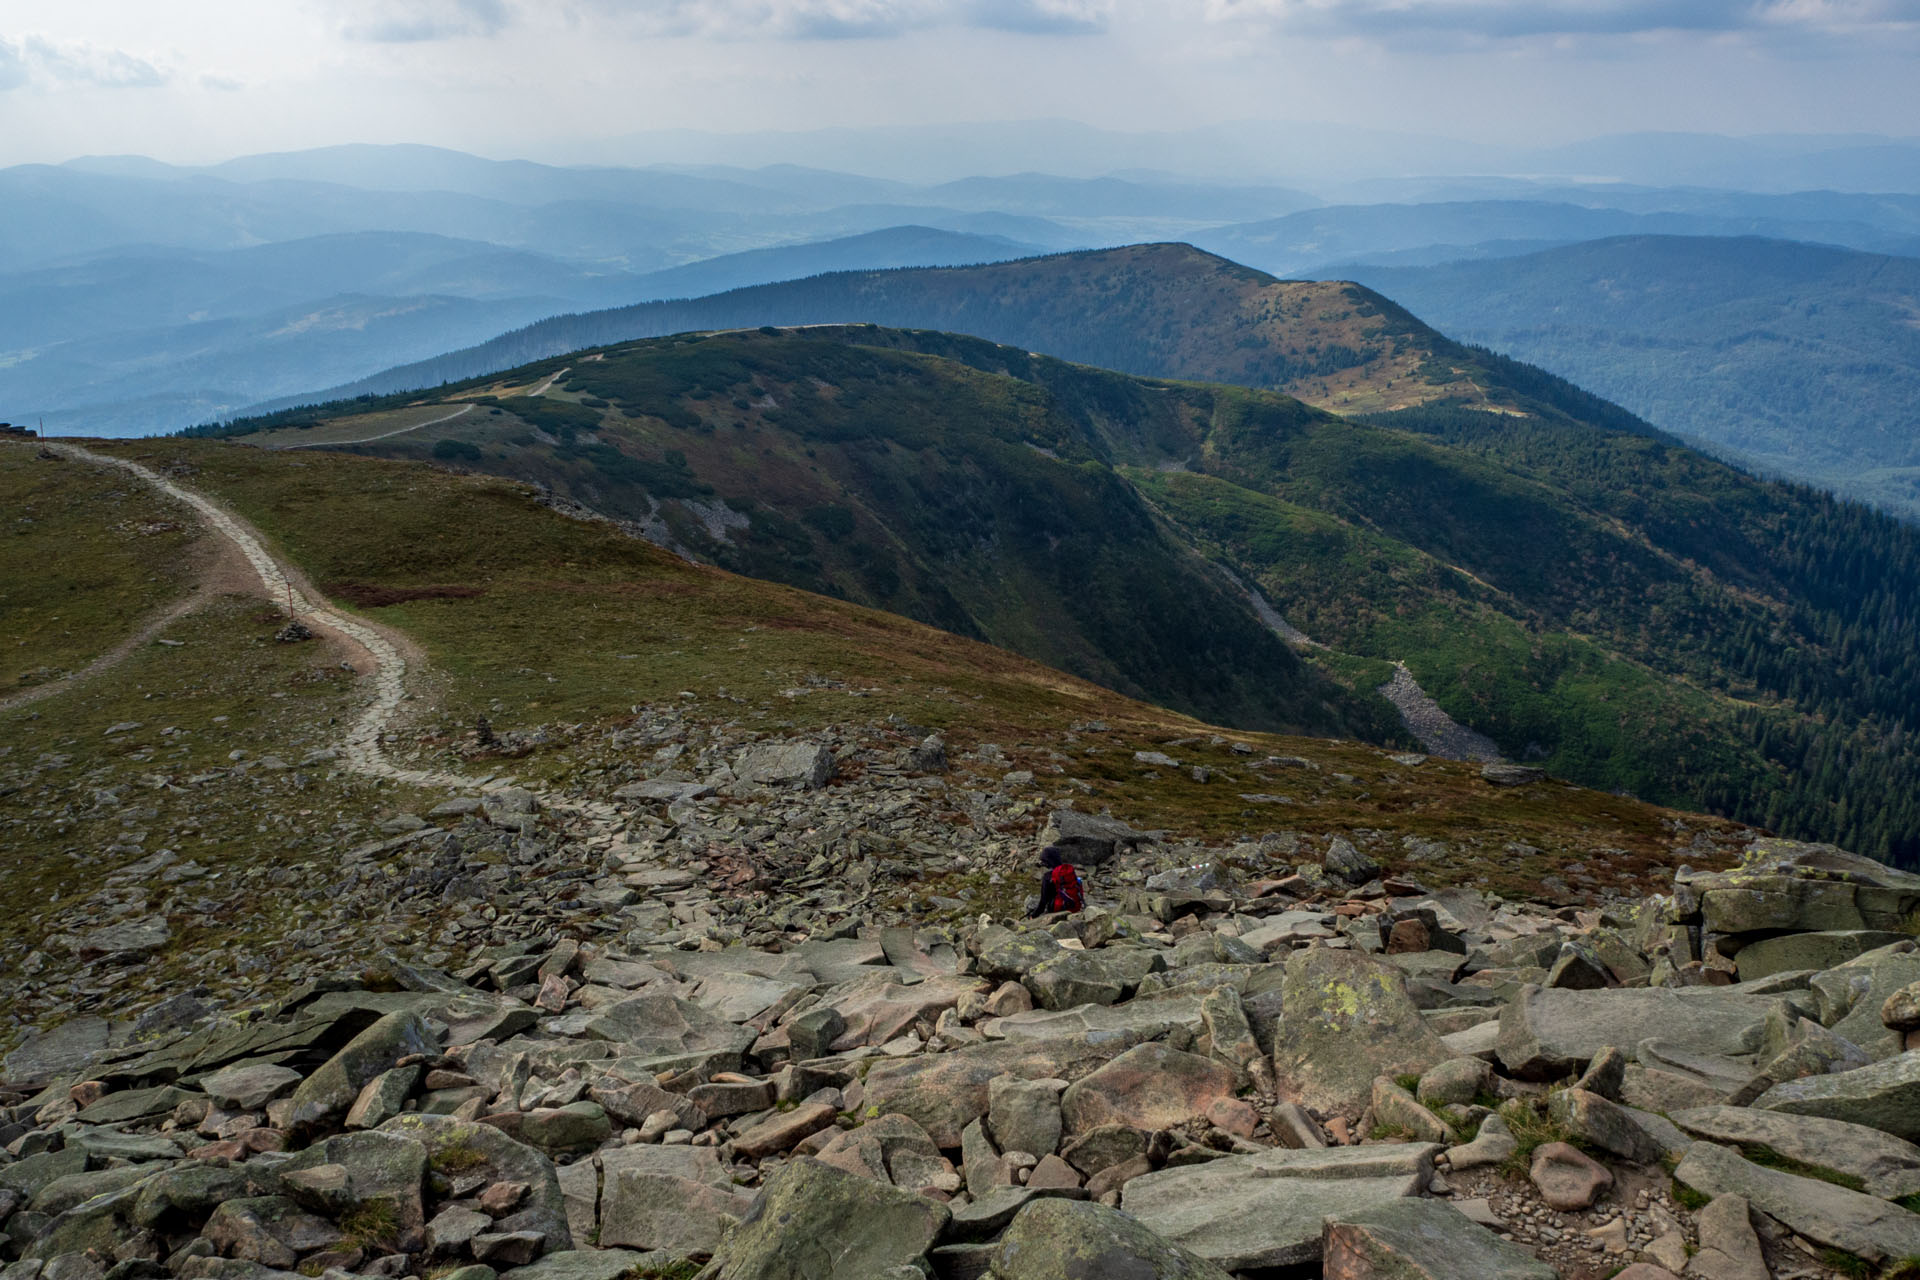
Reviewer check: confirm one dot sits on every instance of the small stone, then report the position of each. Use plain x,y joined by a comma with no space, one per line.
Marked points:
1567,1178
508,1248
502,1198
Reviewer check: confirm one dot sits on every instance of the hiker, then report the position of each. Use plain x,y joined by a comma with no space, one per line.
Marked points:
1059,884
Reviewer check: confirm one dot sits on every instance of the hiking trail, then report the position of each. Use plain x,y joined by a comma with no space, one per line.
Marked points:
362,750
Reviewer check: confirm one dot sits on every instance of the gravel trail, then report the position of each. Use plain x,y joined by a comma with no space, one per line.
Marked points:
362,750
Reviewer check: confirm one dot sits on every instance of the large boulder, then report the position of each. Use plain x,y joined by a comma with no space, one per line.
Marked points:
1347,1019
324,1098
1150,1086
796,765
894,1150
1008,955
1267,1211
375,1178
1077,1240
945,1092
676,1031
812,1222
1024,1115
1106,976
1886,1166
270,1230
1416,1239
1793,952
676,1199
1605,1125
1547,1032
1090,839
1782,886
1852,996
460,1146
1864,1225
1884,1096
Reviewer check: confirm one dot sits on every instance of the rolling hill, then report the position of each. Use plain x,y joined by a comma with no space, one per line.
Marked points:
1804,359
1560,576
1159,310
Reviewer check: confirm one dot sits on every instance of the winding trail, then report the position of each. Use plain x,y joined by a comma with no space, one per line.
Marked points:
362,750
462,411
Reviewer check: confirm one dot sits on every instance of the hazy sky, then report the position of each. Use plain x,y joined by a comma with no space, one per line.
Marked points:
202,80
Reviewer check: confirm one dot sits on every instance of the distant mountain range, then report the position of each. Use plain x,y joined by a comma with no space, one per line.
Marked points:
1803,359
156,339
1338,240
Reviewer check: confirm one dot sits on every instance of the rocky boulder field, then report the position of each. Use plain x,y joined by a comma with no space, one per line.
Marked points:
648,1035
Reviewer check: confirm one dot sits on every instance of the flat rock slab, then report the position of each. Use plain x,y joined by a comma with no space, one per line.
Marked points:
1078,1240
1884,1096
945,1092
649,1025
1888,1166
1268,1210
62,1050
133,1105
1146,1019
1549,1032
1416,1239
1823,949
818,1222
580,1264
1150,1086
1348,1019
1833,1216
248,1087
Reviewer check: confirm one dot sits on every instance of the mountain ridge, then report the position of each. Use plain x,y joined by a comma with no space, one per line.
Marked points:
1556,574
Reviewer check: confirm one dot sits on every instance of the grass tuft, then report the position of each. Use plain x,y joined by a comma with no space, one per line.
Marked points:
1687,1198
460,1157
371,1223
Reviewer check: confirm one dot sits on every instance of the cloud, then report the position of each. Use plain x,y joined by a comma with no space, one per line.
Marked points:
853,19
1402,21
414,21
37,60
13,66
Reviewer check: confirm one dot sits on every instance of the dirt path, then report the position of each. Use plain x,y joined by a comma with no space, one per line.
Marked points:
547,386
362,750
430,422
112,657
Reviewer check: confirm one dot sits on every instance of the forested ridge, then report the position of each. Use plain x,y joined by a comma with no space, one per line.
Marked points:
1583,588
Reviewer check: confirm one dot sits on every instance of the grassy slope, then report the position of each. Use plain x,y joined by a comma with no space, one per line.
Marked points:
1633,613
576,624
122,551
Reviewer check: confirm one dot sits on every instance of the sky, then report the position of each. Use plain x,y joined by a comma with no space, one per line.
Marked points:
197,81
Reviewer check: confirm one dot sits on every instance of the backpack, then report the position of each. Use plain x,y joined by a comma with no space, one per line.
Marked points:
1066,889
